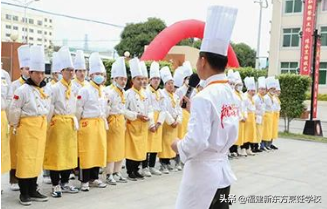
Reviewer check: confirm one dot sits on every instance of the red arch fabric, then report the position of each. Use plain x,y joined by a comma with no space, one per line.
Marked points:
173,34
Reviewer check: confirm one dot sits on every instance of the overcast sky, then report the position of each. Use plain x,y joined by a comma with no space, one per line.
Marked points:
128,11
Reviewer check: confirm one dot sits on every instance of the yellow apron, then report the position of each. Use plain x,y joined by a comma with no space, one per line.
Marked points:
168,136
30,143
275,125
259,128
136,140
92,143
5,148
116,138
267,126
13,157
250,134
240,139
182,128
155,139
61,145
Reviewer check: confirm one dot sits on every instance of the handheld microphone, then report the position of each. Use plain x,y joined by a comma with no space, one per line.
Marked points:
194,81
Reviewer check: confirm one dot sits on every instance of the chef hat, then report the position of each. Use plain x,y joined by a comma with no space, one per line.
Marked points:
179,76
270,82
144,69
24,55
154,70
79,62
237,77
218,29
249,83
37,59
55,66
277,84
188,71
65,58
261,82
134,65
165,74
96,64
118,68
230,76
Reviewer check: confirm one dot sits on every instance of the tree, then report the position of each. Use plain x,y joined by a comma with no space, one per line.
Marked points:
191,42
136,35
245,55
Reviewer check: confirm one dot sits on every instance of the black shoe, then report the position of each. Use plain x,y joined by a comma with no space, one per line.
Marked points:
25,200
273,147
138,175
259,150
268,148
38,197
132,177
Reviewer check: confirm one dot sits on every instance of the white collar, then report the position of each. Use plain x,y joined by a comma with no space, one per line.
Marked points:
215,77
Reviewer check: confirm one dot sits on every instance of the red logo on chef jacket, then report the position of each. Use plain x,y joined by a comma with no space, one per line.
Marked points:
226,112
84,124
16,97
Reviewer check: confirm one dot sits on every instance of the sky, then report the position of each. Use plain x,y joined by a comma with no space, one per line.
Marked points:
128,11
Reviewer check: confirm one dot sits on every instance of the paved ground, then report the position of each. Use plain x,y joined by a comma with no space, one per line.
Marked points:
297,168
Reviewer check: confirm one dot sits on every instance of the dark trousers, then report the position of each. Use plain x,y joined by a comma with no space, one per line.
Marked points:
150,160
132,166
165,161
62,176
245,146
89,174
233,149
12,178
27,186
217,202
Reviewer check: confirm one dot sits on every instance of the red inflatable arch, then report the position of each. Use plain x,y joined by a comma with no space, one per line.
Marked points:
173,34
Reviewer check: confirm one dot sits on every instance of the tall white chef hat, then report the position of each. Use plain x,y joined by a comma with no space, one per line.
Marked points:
65,58
96,64
144,69
118,68
24,55
237,77
165,74
79,62
249,83
179,76
277,84
261,82
37,59
188,71
270,82
230,76
134,65
55,65
218,29
154,70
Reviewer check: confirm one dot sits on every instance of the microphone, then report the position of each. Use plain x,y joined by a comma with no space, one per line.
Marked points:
194,81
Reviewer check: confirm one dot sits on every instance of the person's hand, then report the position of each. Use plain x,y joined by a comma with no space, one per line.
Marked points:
174,145
142,117
175,124
153,129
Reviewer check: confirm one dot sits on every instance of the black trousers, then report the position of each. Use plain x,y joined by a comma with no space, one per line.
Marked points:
89,174
132,166
12,177
217,203
150,160
27,186
233,149
246,145
165,161
62,176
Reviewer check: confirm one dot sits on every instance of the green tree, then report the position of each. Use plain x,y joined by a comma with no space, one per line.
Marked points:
190,42
136,35
245,55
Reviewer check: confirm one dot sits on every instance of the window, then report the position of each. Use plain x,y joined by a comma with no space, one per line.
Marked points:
45,33
39,32
39,22
289,67
45,40
50,33
15,18
31,30
291,37
50,20
8,26
7,34
8,17
39,39
24,20
24,29
324,5
293,6
45,20
323,34
15,27
31,38
323,73
31,21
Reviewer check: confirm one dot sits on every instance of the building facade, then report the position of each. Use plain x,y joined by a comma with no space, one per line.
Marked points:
285,40
35,29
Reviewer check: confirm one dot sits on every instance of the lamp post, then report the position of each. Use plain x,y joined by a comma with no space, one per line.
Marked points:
257,56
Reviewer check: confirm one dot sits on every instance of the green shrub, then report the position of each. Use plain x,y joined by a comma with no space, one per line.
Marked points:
321,97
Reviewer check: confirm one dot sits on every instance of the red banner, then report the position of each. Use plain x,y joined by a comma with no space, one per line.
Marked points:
316,84
308,27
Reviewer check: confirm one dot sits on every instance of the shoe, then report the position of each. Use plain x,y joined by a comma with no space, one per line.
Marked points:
69,189
164,169
85,187
111,180
138,175
242,152
46,179
132,177
14,187
249,152
155,171
56,191
25,200
273,147
98,183
120,178
234,154
38,197
72,176
171,168
145,172
178,167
